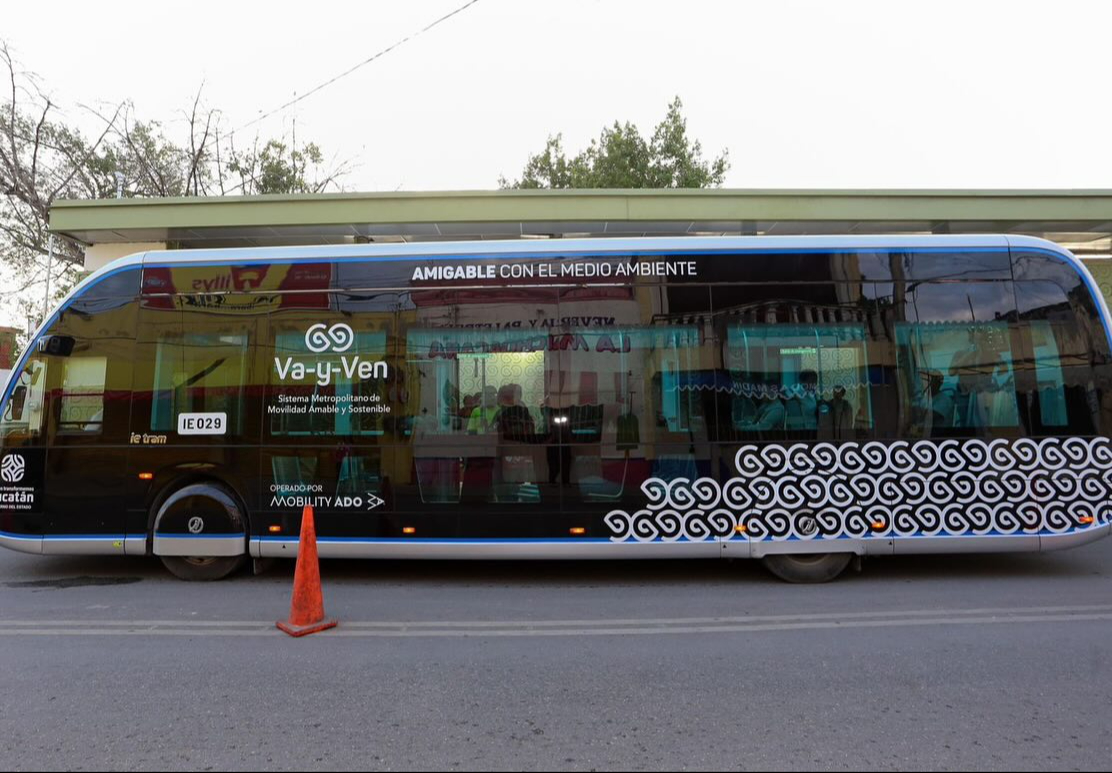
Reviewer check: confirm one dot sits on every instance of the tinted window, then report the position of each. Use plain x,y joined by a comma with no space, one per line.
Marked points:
1059,381
957,349
925,265
200,360
810,379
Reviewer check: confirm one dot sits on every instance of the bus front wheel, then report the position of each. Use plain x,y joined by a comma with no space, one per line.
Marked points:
202,568
808,567
205,517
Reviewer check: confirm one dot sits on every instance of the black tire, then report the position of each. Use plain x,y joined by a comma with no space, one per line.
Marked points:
202,568
224,509
808,567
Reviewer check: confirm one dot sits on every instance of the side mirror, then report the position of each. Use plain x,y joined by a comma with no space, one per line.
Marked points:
57,346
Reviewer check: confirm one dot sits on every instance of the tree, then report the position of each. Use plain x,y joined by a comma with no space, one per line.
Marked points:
276,168
622,158
43,158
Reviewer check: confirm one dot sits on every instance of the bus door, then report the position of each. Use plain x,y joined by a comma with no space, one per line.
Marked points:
195,412
477,365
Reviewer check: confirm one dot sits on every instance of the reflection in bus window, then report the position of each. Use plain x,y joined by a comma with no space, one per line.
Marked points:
333,395
482,408
22,419
1051,386
956,376
199,373
478,382
799,378
82,397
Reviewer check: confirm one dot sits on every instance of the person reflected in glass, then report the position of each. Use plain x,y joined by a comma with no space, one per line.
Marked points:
770,410
513,419
484,415
801,408
836,416
942,402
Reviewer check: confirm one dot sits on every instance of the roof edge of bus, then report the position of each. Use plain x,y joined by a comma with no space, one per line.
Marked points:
603,244
1023,240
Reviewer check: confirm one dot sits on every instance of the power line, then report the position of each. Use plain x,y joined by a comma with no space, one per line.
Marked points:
349,71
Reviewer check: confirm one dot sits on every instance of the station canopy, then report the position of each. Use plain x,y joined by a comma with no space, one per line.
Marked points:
1080,220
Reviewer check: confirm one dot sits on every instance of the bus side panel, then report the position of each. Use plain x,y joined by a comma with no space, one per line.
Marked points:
196,408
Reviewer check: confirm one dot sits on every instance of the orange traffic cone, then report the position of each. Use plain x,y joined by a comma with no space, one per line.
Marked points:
307,605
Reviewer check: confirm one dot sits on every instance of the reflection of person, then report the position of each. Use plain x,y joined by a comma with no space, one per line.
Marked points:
513,419
482,418
836,419
941,402
742,410
469,404
770,410
800,409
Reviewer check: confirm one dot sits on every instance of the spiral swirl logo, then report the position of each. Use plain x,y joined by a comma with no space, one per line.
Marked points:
320,338
12,468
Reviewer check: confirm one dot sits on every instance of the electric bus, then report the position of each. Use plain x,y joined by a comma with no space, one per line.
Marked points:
803,401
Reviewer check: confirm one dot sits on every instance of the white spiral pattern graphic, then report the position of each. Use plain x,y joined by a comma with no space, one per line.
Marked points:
897,489
12,468
338,338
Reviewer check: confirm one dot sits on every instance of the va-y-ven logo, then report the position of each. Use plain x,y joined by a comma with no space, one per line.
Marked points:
336,339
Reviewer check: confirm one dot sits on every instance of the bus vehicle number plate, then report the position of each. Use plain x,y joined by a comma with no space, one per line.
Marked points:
202,423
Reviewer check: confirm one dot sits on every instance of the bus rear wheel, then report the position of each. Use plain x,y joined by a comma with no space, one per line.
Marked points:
202,568
808,567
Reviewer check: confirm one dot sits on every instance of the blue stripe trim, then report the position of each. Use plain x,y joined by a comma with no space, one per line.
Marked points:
238,535
25,537
442,541
88,537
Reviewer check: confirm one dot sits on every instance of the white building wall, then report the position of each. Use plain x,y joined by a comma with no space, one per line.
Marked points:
98,255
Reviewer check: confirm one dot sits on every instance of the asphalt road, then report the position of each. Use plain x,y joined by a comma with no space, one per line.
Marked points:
987,662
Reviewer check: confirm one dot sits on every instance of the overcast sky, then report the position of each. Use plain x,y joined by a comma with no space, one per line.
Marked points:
803,94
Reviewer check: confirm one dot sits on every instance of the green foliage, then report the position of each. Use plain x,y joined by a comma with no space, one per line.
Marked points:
277,168
622,158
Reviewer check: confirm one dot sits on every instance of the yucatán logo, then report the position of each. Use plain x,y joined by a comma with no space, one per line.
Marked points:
337,339
12,468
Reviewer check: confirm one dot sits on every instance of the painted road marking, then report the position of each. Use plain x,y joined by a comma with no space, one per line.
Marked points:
527,628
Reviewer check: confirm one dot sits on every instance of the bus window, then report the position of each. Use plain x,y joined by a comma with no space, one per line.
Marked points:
334,388
200,373
1050,392
82,395
955,377
808,380
1064,339
22,420
481,407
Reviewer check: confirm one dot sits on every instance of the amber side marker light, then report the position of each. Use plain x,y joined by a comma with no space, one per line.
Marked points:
275,529
878,525
1086,519
741,528
578,531
146,476
409,530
